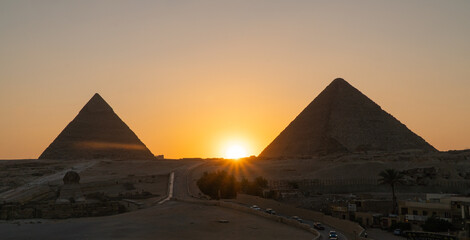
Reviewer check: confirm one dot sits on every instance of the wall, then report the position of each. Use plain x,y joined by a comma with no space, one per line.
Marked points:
59,211
370,185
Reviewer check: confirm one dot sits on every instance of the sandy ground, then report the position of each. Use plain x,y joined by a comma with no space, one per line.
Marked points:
172,220
15,173
366,166
19,176
454,165
177,220
111,169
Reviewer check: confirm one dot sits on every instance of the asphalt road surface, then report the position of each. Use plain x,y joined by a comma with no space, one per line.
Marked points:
325,233
182,187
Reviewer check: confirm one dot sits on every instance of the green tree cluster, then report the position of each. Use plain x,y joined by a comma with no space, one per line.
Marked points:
220,184
255,187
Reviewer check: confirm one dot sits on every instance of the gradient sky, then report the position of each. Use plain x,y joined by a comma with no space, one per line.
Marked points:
190,77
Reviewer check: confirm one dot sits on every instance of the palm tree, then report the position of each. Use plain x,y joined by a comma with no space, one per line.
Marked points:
391,177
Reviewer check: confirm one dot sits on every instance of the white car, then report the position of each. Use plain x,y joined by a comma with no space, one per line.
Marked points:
255,207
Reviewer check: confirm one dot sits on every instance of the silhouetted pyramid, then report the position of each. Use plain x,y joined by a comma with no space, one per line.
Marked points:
97,132
342,119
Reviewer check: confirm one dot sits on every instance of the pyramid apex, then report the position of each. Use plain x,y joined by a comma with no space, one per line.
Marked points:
97,95
96,104
339,81
339,84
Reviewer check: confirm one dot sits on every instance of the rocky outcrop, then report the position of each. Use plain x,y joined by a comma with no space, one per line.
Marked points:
343,120
97,133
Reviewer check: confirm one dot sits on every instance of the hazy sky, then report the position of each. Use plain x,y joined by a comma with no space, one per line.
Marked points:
190,77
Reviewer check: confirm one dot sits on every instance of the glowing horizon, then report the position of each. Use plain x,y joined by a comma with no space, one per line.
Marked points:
189,76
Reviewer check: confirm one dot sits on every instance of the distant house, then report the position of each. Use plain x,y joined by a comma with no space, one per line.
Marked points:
369,219
418,212
449,207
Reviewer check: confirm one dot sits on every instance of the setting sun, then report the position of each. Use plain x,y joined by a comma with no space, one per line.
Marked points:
235,152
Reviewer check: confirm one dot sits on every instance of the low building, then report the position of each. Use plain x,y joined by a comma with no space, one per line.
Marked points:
418,212
461,215
340,212
388,221
449,207
368,219
373,205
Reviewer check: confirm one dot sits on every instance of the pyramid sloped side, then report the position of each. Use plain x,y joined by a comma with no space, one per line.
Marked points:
341,120
307,134
362,125
97,132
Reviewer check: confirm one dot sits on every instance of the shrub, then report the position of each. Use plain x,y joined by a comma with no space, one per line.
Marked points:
128,186
434,224
401,225
293,184
256,187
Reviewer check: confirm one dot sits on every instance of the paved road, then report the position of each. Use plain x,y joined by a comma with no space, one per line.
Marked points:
378,234
182,181
325,233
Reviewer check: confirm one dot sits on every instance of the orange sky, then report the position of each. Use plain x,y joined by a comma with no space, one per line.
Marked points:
190,77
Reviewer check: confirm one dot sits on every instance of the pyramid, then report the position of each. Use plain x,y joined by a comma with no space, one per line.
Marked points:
97,133
343,120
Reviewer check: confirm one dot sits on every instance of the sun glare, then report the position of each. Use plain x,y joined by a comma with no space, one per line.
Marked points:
235,152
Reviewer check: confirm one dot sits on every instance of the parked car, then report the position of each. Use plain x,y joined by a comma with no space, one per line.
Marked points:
270,211
300,220
397,232
255,207
318,226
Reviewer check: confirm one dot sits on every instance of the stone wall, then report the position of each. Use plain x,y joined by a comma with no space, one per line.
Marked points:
59,211
338,186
